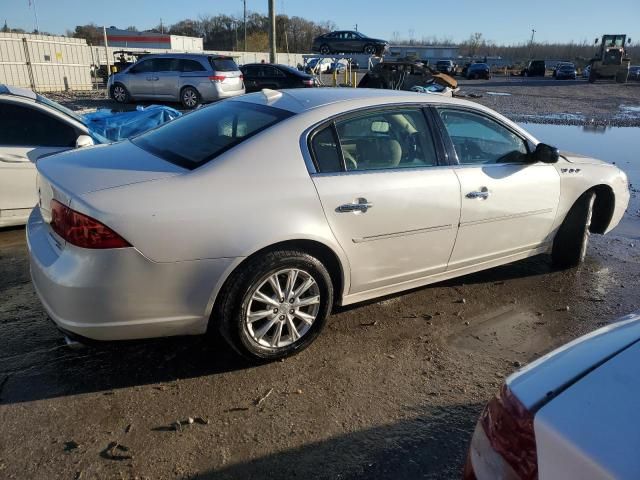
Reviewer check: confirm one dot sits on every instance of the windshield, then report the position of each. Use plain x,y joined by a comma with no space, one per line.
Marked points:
194,139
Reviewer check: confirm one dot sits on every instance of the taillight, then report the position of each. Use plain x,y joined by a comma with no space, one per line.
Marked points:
509,427
308,82
217,78
81,230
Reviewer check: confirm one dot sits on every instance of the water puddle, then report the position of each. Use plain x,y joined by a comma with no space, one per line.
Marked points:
617,145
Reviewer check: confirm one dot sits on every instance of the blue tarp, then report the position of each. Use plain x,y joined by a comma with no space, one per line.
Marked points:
120,125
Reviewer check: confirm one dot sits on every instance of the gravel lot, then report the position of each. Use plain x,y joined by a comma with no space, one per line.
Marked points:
391,389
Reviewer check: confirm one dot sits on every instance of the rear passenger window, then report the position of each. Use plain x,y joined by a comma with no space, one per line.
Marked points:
325,151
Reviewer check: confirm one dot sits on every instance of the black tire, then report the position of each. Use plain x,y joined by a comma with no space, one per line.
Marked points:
592,76
369,49
325,50
190,97
235,300
570,244
622,77
120,94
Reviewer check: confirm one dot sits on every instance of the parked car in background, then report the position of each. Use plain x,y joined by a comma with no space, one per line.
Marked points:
33,127
327,188
566,71
316,65
264,75
348,41
634,72
572,414
337,67
188,78
478,70
446,66
535,68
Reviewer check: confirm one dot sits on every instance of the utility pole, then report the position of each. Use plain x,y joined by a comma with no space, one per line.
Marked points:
533,32
245,24
272,31
35,14
356,27
106,52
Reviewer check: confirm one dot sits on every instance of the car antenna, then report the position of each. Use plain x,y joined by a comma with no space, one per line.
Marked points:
271,95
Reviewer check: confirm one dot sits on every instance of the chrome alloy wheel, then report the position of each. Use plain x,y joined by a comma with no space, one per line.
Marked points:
190,98
282,309
119,94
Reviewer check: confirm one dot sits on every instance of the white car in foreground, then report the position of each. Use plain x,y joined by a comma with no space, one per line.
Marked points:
31,127
252,217
573,414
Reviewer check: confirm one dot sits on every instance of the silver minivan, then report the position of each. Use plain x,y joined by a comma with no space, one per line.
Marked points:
188,78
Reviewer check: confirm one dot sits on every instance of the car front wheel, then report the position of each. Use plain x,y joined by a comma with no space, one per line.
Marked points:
275,305
325,50
189,97
570,243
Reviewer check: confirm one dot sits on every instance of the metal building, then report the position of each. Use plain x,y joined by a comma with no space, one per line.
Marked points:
149,40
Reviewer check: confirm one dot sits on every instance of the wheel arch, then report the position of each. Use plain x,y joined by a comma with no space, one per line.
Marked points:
327,255
603,208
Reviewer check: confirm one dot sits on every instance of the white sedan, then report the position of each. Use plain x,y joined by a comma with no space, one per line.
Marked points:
572,414
253,216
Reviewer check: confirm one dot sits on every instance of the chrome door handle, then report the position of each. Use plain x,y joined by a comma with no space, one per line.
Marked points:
483,193
358,205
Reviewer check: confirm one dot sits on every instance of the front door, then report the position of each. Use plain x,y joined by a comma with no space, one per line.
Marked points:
140,79
508,204
392,207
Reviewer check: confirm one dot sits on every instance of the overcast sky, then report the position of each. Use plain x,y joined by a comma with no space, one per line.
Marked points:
503,21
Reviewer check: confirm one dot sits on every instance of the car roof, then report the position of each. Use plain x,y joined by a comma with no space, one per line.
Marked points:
17,91
300,100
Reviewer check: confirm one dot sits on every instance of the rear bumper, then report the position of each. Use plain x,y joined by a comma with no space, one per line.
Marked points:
119,294
210,91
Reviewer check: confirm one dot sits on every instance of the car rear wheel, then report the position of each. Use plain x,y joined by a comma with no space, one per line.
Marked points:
325,50
119,93
570,244
275,305
369,49
189,97
622,77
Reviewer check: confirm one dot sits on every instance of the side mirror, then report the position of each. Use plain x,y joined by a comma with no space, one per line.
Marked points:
84,141
545,153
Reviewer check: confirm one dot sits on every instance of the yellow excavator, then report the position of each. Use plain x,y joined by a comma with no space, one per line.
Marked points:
612,60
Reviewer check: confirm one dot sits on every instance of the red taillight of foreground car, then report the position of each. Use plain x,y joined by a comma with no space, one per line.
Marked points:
308,83
217,78
509,428
81,230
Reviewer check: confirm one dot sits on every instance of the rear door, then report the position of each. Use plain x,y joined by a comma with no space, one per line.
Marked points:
392,207
27,133
508,204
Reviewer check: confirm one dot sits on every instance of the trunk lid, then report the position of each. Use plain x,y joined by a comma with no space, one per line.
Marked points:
85,170
542,380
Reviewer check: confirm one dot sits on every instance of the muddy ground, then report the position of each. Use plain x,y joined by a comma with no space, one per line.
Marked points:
391,389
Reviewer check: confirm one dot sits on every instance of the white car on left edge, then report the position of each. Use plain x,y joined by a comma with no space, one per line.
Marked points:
31,127
573,414
252,217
